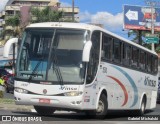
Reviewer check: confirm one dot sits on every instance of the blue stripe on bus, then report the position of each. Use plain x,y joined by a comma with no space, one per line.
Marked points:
132,84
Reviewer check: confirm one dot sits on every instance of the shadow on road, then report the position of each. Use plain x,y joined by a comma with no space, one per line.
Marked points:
112,115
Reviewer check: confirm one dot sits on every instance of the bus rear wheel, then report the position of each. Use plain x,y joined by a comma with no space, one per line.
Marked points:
101,111
43,110
142,109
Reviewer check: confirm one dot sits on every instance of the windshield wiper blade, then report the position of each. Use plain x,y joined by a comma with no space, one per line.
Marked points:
57,69
34,72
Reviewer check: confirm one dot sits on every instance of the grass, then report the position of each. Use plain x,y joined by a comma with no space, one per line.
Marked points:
6,101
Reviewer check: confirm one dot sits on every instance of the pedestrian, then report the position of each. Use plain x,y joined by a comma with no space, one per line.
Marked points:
2,84
2,81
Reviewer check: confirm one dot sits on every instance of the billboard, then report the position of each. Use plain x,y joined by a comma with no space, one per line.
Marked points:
140,18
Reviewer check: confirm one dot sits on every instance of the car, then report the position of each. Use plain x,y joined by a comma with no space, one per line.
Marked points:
158,92
10,85
5,74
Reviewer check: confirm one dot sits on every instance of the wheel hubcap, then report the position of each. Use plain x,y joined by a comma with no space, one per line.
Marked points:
100,107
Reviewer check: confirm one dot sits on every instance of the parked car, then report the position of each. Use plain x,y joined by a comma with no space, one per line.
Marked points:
5,74
10,85
158,92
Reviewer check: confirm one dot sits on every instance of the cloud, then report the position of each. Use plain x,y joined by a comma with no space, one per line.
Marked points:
2,4
110,21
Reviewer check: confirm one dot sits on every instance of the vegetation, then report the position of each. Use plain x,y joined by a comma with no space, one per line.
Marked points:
14,21
136,35
45,15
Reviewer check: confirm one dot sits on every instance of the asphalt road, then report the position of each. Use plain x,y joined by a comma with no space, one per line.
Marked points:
72,116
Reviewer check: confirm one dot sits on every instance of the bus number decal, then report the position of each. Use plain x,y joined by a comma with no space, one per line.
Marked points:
104,70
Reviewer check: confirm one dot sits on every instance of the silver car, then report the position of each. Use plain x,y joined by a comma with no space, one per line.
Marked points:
158,92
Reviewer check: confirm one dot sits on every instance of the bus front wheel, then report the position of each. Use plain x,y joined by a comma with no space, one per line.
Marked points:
42,110
101,111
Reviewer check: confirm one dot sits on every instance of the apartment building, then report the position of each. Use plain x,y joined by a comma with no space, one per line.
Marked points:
22,7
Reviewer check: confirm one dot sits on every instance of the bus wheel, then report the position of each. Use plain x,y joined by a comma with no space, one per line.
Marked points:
42,110
142,109
101,111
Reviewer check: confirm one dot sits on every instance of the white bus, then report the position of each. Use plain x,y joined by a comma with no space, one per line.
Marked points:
74,66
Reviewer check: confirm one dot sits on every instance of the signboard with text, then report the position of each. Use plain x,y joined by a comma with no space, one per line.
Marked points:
140,18
152,38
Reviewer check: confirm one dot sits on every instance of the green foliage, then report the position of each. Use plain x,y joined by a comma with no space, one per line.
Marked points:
45,15
13,21
157,49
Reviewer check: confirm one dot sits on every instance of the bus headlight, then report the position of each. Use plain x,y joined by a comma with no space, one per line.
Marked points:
73,93
20,90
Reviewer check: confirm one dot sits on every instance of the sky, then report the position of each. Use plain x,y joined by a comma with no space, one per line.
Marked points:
106,12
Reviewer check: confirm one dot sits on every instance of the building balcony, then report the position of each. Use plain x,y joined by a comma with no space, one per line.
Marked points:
2,23
13,7
2,14
9,28
69,9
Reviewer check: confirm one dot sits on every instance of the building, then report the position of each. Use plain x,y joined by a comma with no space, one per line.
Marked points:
22,7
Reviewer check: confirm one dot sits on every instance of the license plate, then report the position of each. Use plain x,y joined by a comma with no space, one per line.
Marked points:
44,101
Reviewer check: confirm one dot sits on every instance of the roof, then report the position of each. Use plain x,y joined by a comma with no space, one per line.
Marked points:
83,26
11,1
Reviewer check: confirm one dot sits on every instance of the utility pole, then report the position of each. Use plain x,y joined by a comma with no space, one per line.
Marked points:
152,4
152,23
73,10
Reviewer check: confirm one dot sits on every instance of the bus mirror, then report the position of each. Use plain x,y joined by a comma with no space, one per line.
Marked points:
8,45
86,51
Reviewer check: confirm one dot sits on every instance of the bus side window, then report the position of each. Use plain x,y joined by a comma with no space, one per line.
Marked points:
134,60
126,55
94,57
149,63
142,60
117,51
154,64
107,45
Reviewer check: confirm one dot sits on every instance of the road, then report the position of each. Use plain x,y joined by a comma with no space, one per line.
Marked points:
72,116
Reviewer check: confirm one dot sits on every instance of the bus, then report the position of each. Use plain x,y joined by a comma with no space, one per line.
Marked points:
82,67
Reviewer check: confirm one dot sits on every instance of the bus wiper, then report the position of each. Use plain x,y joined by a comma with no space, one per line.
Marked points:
56,68
35,71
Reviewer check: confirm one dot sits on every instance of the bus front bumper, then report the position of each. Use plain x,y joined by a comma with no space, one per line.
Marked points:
68,102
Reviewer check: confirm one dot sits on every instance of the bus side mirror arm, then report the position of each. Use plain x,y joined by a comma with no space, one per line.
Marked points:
86,51
8,45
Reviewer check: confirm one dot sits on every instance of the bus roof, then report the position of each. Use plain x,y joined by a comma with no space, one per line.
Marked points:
84,26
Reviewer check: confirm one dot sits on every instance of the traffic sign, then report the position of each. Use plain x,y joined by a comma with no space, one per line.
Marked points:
152,39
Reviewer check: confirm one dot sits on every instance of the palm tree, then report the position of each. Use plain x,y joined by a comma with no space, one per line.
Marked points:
45,15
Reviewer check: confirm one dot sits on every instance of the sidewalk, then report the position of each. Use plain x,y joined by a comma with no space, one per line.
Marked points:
9,104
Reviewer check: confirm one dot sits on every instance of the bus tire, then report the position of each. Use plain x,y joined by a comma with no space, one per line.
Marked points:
101,111
142,109
43,110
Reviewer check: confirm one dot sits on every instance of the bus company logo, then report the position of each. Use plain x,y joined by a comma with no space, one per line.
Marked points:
149,82
67,88
44,91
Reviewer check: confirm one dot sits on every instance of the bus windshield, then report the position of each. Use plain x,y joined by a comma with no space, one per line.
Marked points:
52,55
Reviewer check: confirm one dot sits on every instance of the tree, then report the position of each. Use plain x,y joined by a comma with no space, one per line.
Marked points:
14,21
45,15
